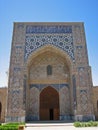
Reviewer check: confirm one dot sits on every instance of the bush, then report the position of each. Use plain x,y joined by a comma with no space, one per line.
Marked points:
89,124
10,126
77,124
83,124
86,124
95,123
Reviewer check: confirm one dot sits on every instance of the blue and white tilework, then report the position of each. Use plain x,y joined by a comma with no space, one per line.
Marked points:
62,41
48,29
42,86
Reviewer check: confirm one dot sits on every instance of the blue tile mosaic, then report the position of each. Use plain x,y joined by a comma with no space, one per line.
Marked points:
19,47
48,29
17,69
83,91
41,86
74,92
15,91
64,42
79,47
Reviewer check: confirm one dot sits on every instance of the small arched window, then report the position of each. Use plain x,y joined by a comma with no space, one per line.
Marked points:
49,70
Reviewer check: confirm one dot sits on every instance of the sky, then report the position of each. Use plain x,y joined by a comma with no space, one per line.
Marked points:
48,11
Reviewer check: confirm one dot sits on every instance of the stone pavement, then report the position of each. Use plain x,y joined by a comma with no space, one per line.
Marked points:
55,126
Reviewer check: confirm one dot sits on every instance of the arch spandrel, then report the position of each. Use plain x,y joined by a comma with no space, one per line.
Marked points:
61,41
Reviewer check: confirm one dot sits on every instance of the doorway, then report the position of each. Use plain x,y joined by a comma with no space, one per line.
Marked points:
49,104
51,113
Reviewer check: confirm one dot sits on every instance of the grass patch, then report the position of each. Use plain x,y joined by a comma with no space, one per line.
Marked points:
86,124
11,126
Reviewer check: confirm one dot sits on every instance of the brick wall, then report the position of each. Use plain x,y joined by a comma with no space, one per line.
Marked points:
3,97
95,101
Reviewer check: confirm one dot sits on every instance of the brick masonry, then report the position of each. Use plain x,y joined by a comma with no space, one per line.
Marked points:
95,101
63,47
3,102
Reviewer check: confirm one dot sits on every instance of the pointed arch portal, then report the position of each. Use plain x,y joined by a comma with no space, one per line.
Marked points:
49,104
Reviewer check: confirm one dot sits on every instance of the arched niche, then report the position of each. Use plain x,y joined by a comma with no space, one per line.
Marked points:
49,104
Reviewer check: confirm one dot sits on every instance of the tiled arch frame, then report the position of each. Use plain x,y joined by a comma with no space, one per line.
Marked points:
52,49
55,50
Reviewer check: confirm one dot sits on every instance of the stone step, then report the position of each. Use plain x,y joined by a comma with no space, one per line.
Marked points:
49,123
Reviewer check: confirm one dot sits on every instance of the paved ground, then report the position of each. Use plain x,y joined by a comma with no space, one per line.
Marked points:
56,126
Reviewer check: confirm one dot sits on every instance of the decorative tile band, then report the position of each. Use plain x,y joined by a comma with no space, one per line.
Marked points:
56,86
48,29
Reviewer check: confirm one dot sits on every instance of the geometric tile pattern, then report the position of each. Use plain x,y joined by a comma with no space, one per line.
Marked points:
80,50
15,101
62,41
64,101
41,86
34,104
82,76
78,38
84,100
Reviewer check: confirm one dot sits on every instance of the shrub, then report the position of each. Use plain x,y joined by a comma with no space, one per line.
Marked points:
95,123
10,126
86,124
89,124
77,124
82,124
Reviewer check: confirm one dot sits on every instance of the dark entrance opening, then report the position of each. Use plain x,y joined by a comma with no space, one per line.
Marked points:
51,112
49,104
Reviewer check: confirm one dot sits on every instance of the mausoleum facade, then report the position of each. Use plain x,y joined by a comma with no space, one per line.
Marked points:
50,77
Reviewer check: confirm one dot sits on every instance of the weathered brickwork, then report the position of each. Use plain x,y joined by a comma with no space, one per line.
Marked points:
3,101
95,101
49,55
3,97
38,69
